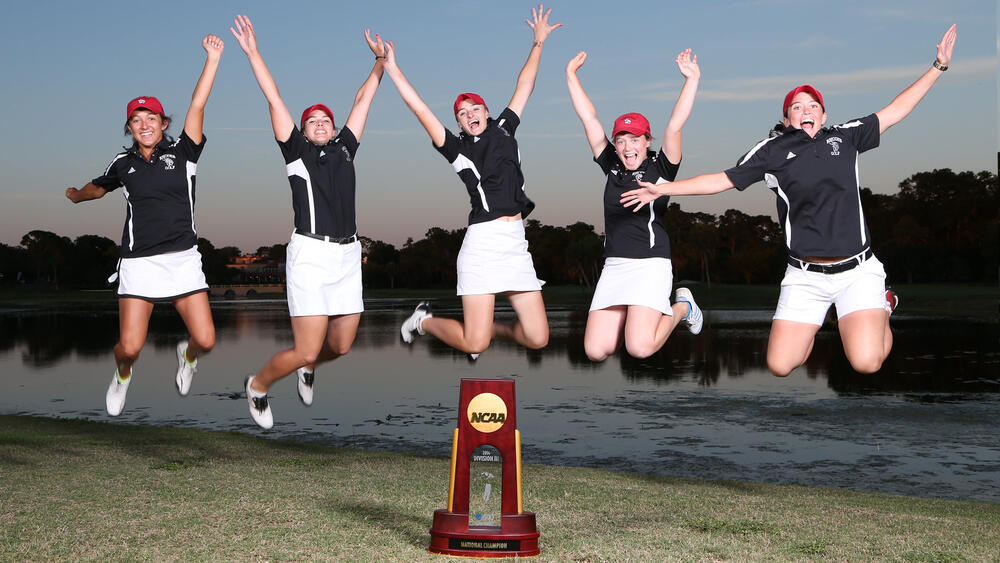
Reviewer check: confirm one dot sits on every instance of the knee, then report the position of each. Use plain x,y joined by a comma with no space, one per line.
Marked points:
870,363
640,349
340,348
129,350
477,345
596,353
780,369
205,342
537,342
308,358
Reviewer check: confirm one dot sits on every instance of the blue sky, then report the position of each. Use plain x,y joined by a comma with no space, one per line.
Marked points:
70,67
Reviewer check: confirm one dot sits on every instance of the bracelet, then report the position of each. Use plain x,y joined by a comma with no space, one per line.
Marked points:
383,56
940,66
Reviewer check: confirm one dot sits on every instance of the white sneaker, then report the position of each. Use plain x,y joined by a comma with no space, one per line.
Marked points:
260,411
305,385
185,369
413,322
472,357
115,399
694,319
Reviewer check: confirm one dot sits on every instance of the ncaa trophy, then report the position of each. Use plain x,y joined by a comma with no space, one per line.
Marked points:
485,454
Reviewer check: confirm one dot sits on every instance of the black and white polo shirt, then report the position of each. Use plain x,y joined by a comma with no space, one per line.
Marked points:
628,233
817,185
490,167
322,182
159,196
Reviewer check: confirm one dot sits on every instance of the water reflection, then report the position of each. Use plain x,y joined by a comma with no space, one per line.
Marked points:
703,406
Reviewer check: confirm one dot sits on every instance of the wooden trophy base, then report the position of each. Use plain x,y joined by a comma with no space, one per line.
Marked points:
452,535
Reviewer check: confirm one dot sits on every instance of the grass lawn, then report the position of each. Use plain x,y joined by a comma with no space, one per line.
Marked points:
78,490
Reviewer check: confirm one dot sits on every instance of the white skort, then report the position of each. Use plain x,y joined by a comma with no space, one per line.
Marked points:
163,276
322,278
806,296
495,259
635,281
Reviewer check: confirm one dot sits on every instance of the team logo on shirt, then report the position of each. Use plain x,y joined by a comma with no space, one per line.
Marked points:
834,143
168,161
347,153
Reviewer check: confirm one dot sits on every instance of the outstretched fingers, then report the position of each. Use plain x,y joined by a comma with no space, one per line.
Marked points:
947,45
244,33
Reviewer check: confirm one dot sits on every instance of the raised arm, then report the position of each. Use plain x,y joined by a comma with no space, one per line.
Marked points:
86,193
281,120
539,23
363,100
706,184
908,99
424,114
688,65
196,111
584,107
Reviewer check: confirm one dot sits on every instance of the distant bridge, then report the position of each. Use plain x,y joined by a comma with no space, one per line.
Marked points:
245,289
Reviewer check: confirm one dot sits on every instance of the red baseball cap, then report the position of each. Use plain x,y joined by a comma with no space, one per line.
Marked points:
804,88
633,123
312,108
476,99
144,102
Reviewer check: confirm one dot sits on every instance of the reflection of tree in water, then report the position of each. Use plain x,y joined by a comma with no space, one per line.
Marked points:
51,336
935,357
928,356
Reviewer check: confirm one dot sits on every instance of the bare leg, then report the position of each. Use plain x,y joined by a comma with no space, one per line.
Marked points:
197,315
646,330
603,335
867,338
531,329
789,345
133,320
309,333
340,334
474,333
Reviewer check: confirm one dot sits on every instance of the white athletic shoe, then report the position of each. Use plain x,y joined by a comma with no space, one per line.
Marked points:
185,369
115,399
694,319
305,385
473,357
260,411
413,322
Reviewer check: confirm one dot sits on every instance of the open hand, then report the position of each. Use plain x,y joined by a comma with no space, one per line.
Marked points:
539,22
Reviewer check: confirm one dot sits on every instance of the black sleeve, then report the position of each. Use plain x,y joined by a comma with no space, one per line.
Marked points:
607,159
508,120
751,166
111,180
186,148
449,150
862,132
295,147
666,169
346,137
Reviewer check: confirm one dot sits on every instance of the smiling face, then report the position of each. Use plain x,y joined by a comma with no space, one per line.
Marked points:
631,149
147,128
471,117
318,127
805,113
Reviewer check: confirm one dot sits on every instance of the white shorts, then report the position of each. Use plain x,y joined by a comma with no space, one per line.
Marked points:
495,259
163,276
634,281
806,296
322,278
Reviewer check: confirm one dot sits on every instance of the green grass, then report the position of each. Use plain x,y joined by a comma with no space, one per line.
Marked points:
88,491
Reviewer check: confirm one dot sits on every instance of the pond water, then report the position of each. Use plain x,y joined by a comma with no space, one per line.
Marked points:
704,406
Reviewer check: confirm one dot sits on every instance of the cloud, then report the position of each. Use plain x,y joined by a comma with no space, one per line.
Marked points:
861,81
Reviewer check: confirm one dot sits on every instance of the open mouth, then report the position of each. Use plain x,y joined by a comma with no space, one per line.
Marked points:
808,124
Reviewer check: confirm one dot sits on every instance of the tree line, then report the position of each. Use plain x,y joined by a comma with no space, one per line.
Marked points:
941,226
